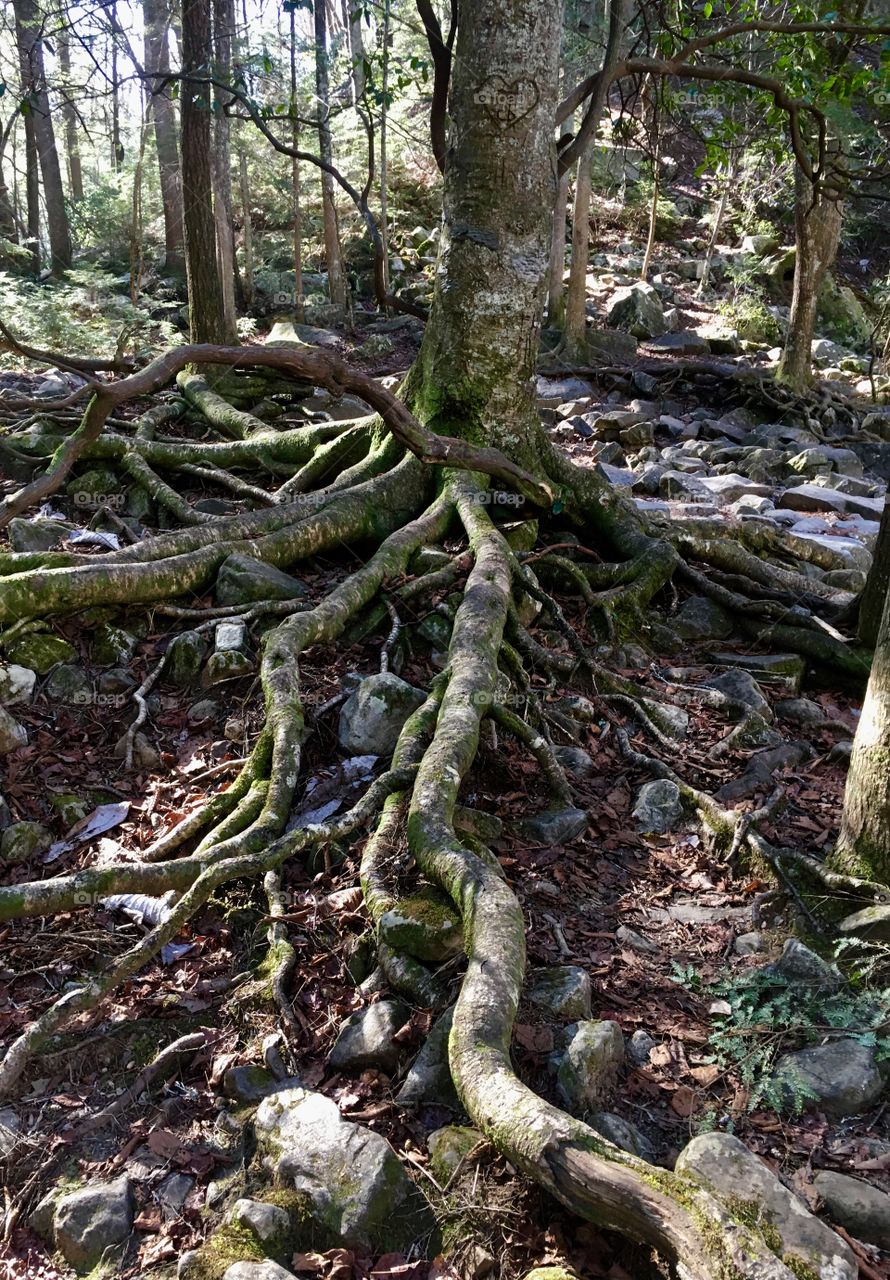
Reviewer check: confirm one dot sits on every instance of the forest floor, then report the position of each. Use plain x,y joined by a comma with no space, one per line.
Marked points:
653,919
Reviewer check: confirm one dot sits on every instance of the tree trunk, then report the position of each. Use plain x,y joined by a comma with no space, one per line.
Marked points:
336,281
156,21
384,142
556,288
223,28
29,35
248,227
871,605
863,847
69,115
817,229
207,317
299,311
117,147
32,192
474,376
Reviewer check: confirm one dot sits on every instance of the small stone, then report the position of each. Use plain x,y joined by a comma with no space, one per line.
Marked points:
586,1070
10,1129
202,712
248,1083
425,926
173,1193
740,686
659,806
184,657
638,310
92,1221
227,664
234,729
575,760
40,651
840,1078
640,1046
722,1163
622,1133
69,684
554,826
856,1206
748,944
702,619
37,535
12,734
800,711
448,1146
113,646
564,990
23,841
16,684
144,754
265,1270
365,1039
244,580
375,713
268,1223
428,1080
798,965
70,808
630,938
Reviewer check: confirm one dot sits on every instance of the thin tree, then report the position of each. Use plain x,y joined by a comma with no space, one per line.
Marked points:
69,115
156,20
333,254
223,29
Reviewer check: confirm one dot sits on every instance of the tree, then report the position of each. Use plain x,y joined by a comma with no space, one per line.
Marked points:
156,22
208,321
333,253
223,29
863,847
35,96
69,115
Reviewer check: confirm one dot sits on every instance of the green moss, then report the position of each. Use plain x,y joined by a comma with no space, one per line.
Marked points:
752,1214
228,1245
799,1267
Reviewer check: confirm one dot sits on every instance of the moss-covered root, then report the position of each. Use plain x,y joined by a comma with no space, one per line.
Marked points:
211,876
570,1160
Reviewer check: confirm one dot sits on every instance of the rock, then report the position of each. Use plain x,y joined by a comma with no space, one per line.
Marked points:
846,579
37,535
814,497
40,651
554,391
248,1083
201,712
638,310
748,944
358,1191
677,484
659,806
686,343
575,760
16,684
10,1129
243,580
759,245
856,1206
799,966
613,346
740,686
785,669
564,990
723,1164
375,346
69,684
448,1146
730,487
113,646
554,826
636,941
173,1193
184,657
365,1038
144,754
750,504
840,1078
624,1134
640,1046
428,1081
701,619
800,711
550,1273
269,1224
93,1221
425,926
825,352
265,1270
23,841
373,715
230,659
587,1068
12,734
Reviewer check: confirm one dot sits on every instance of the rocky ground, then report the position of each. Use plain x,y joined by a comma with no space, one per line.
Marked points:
330,1143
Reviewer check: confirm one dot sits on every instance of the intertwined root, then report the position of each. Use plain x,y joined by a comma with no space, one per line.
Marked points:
375,493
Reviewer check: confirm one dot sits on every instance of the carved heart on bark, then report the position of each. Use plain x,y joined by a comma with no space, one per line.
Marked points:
507,102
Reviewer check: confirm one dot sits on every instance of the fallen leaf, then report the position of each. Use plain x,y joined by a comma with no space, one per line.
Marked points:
683,1101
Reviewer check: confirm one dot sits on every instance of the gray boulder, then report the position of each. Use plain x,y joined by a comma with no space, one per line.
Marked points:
659,806
40,651
639,1046
23,841
184,658
16,684
800,711
638,310
37,535
12,734
365,1039
856,1206
725,1166
428,1081
70,685
840,1078
800,966
564,990
231,658
740,686
243,580
425,926
586,1070
248,1083
554,826
701,619
625,1135
374,714
265,1270
359,1193
93,1221
269,1224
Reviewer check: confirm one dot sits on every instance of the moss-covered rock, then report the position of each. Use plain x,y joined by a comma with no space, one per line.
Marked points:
113,646
425,926
70,808
23,841
40,651
448,1146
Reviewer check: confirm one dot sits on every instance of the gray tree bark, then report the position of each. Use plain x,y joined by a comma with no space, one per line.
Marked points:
156,19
